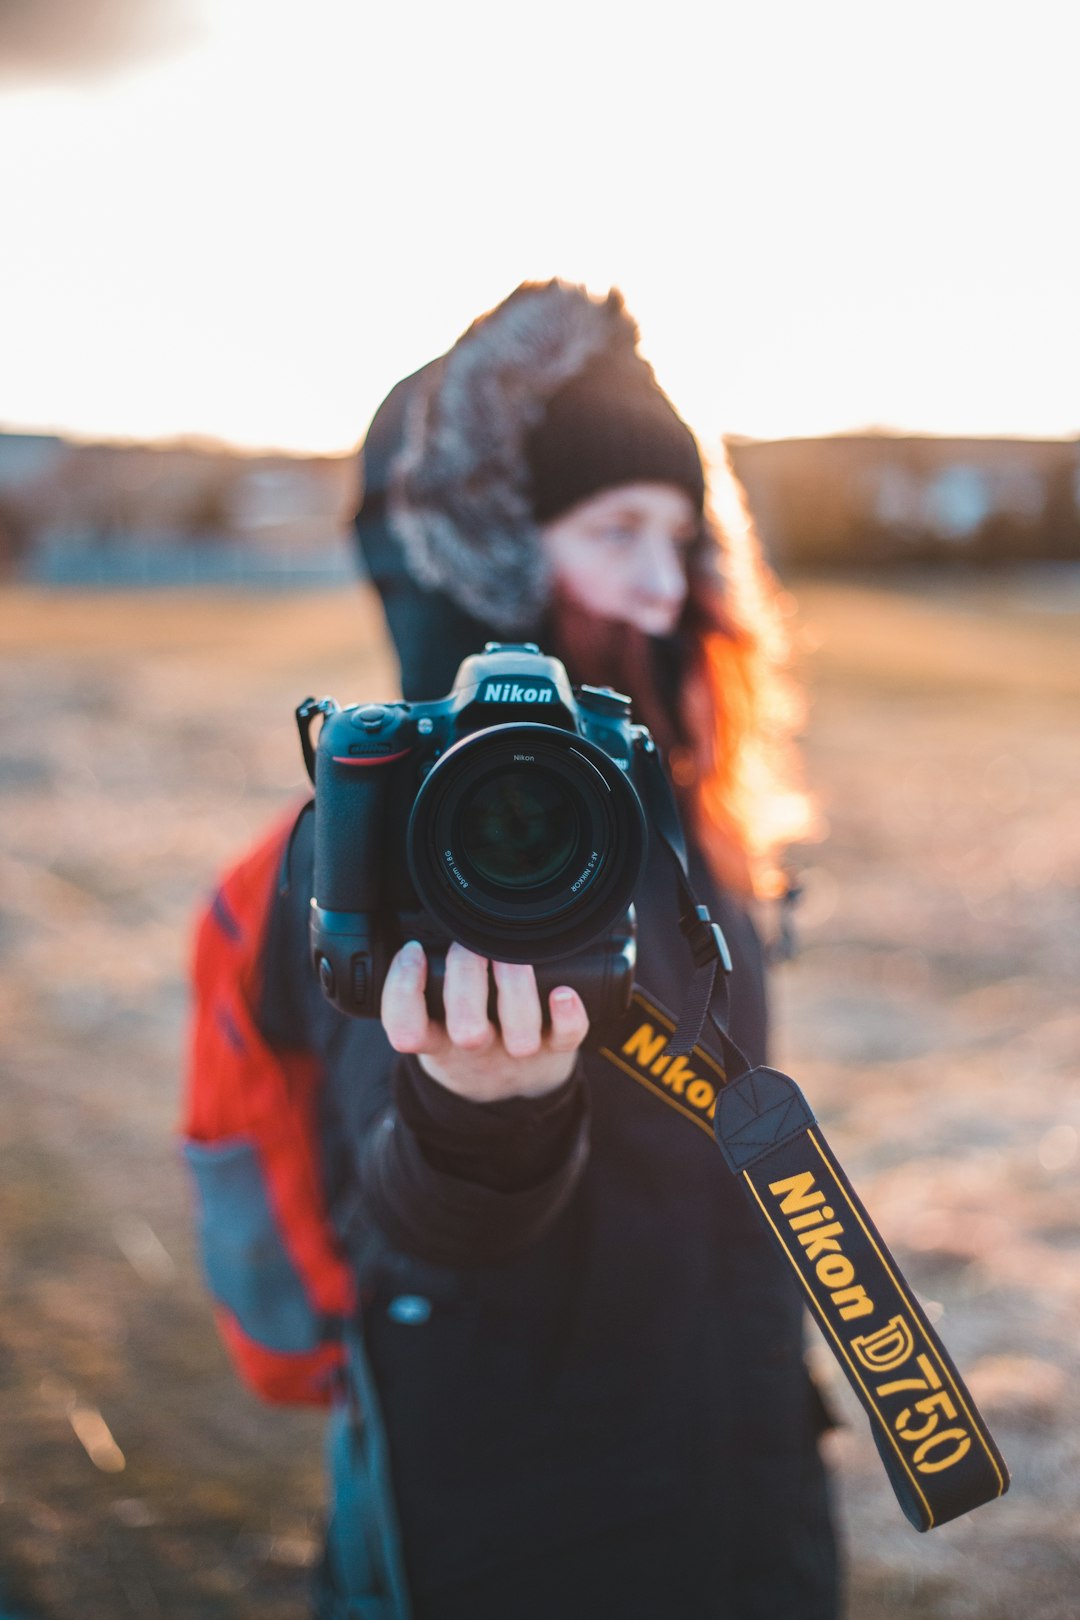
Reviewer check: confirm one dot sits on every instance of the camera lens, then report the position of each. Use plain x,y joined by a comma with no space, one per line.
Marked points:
517,829
525,842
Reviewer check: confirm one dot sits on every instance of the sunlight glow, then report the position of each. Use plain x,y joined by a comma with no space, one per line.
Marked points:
821,218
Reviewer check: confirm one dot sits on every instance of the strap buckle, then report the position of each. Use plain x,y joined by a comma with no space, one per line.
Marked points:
305,715
705,938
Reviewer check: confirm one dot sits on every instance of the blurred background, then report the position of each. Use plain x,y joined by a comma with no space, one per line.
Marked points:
850,237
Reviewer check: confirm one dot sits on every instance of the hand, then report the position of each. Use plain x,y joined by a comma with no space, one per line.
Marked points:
468,1055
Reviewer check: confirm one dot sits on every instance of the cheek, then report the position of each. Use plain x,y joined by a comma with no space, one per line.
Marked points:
593,581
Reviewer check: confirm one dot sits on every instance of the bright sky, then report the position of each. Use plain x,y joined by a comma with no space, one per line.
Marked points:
824,216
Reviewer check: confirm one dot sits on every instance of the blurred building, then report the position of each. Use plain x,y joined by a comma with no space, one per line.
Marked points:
98,514
186,513
879,499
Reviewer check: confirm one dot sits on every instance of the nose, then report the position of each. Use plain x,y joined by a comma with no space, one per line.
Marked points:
662,575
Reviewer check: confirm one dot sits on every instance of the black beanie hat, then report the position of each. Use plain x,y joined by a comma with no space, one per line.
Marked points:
609,425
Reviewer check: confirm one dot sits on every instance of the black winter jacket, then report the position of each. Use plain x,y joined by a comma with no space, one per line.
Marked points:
587,1355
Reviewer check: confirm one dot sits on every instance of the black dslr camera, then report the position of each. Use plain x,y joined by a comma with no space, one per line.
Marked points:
503,816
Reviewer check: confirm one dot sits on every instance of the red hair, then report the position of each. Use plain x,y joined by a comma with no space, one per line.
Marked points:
728,727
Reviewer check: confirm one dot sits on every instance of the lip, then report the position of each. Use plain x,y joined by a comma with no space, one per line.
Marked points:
657,622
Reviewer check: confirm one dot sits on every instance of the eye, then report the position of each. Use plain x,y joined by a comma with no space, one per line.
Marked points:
616,534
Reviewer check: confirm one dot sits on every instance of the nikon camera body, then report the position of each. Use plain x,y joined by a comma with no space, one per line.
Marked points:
503,816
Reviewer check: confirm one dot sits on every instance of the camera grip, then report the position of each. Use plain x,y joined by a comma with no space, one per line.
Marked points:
351,802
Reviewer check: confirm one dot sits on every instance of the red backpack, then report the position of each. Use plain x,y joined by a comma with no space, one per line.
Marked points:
281,1284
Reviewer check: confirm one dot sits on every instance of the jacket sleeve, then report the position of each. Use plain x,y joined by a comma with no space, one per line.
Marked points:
461,1183
270,1257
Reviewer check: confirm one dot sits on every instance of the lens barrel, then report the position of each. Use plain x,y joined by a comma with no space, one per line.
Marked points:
526,842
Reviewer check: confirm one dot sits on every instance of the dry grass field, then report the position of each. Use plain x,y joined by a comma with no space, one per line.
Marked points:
931,1017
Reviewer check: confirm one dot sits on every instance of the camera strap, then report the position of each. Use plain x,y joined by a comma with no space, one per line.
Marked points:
936,1448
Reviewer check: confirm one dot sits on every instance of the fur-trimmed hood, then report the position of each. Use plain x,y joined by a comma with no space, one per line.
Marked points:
458,489
459,493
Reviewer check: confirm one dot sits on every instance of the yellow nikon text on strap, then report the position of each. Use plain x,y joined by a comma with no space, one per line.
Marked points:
933,1441
690,1087
937,1451
819,1232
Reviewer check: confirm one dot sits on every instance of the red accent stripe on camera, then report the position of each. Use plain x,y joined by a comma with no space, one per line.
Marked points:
369,759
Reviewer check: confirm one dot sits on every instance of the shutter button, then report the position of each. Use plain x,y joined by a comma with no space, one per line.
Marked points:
371,717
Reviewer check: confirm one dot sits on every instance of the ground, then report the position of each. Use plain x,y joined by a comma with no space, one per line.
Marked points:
931,1017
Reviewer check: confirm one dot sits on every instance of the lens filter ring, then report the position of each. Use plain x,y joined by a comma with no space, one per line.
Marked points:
526,842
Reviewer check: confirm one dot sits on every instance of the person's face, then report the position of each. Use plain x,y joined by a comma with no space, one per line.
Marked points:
621,554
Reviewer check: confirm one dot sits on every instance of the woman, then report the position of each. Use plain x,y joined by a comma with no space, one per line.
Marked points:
574,1383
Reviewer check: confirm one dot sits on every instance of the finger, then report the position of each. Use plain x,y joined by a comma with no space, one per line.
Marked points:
569,1020
403,1010
520,1017
465,999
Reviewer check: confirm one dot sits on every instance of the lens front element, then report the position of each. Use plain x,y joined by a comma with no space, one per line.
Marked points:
526,842
519,829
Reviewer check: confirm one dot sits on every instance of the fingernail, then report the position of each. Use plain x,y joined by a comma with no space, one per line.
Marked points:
412,954
563,995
